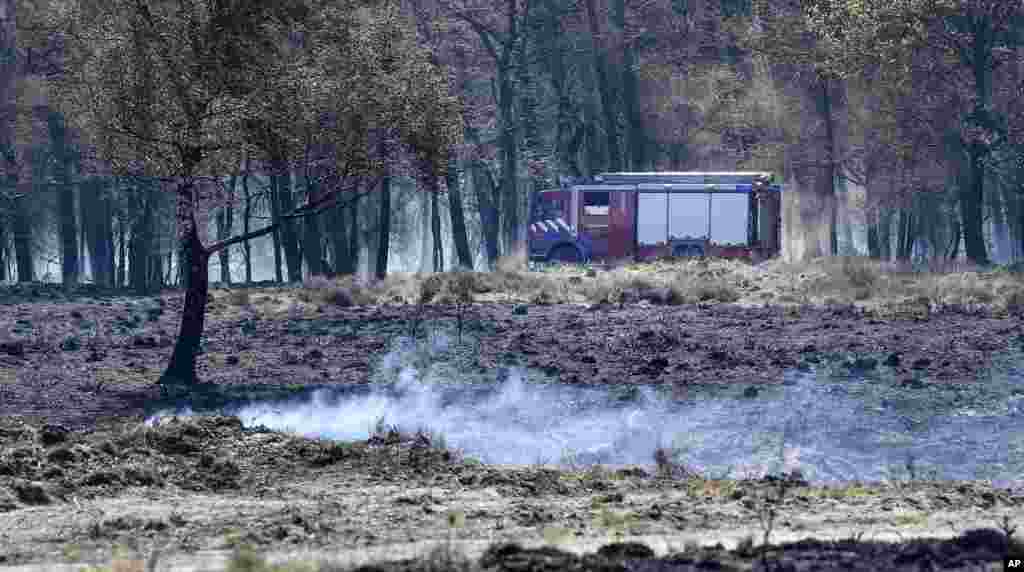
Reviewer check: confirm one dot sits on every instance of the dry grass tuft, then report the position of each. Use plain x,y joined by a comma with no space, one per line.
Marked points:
422,450
705,287
686,283
239,298
666,460
515,263
1013,301
894,286
247,560
345,291
825,281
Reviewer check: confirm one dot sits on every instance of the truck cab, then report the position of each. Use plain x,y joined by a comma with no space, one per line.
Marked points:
551,237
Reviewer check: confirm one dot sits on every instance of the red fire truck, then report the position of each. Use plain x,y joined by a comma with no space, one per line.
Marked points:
650,215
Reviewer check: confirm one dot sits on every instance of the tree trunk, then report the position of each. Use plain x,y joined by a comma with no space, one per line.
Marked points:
83,240
98,230
275,218
426,236
971,199
384,228
169,273
1020,228
312,251
810,198
885,235
8,154
230,223
23,242
954,242
486,194
457,214
142,240
510,159
181,276
225,216
311,236
289,232
605,91
595,160
978,55
483,184
105,242
637,134
912,232
246,218
182,367
833,235
503,87
874,246
122,248
902,235
354,230
338,226
88,203
830,162
567,163
3,253
67,227
636,140
435,225
156,275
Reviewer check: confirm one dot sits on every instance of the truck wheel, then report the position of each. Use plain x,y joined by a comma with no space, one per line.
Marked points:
564,254
687,250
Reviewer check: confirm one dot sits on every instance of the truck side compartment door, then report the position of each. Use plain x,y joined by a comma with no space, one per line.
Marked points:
595,220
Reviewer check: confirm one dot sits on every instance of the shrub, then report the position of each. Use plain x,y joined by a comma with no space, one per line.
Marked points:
239,298
339,297
1013,302
715,290
603,291
511,264
688,288
963,288
859,273
666,460
348,291
318,283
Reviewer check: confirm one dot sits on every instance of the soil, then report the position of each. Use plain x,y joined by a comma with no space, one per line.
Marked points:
82,478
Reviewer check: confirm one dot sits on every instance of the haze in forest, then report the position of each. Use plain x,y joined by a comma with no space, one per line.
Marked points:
895,131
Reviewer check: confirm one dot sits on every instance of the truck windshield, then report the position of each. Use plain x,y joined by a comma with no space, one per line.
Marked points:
547,208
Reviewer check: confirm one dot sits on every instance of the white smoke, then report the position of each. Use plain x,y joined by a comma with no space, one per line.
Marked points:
830,429
512,423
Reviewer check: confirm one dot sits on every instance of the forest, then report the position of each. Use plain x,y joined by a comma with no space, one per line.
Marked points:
265,289
312,137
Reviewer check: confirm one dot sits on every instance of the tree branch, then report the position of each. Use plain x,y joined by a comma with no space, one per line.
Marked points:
328,201
487,36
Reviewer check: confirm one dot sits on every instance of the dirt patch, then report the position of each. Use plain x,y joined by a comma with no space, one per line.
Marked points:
726,344
192,485
81,477
75,361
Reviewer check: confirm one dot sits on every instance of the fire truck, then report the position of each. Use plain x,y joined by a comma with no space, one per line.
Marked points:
616,216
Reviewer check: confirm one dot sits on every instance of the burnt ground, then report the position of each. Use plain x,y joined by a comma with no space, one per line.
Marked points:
79,476
197,489
78,360
731,344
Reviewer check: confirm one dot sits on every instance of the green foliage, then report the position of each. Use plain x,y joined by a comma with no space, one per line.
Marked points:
175,92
